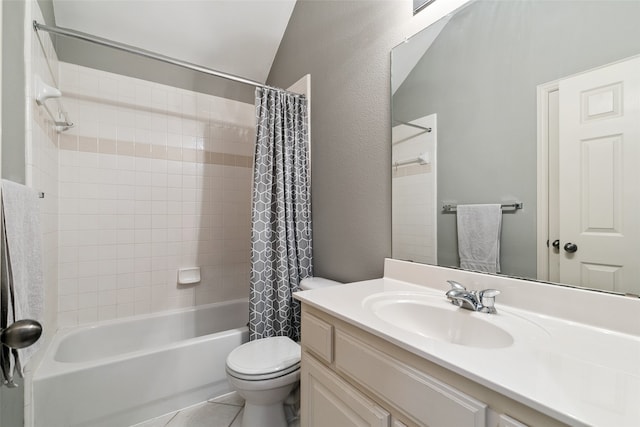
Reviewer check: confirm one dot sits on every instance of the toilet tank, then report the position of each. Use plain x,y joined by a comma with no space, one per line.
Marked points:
316,283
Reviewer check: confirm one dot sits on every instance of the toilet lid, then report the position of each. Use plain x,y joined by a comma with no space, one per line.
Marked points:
264,356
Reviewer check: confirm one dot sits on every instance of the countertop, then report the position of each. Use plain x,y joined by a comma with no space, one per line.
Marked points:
578,374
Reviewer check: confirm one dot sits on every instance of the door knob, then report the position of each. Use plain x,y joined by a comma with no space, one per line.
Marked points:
21,334
556,244
571,247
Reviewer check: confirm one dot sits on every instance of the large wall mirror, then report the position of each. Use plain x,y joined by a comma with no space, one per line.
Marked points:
535,105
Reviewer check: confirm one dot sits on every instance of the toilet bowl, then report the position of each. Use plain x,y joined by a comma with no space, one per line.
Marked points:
265,371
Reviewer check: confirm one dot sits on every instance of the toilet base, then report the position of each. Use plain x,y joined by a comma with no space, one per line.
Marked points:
264,400
263,416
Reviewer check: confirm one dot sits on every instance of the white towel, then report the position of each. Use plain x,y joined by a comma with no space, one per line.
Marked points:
24,254
479,237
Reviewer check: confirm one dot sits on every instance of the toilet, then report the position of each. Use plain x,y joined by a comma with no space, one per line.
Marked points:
265,371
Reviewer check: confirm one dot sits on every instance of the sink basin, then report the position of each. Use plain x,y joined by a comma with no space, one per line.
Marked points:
435,318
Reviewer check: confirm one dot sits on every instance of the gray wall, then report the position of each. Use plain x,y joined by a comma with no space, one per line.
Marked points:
480,77
13,92
345,47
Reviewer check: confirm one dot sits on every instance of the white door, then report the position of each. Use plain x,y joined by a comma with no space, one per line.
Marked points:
553,251
599,178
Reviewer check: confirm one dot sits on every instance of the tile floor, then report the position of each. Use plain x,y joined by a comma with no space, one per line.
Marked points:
222,411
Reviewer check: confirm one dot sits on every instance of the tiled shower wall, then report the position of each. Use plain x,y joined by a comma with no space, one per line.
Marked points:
42,159
152,179
42,175
414,190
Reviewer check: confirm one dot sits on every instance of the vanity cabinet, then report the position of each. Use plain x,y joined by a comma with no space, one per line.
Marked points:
351,377
331,401
416,394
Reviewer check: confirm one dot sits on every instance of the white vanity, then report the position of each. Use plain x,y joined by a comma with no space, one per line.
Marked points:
395,352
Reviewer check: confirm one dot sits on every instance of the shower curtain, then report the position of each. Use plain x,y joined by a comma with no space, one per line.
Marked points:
281,214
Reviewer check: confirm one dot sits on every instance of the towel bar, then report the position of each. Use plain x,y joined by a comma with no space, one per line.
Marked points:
422,159
514,205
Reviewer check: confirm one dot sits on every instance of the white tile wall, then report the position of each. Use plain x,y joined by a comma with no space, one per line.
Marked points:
152,178
414,190
42,175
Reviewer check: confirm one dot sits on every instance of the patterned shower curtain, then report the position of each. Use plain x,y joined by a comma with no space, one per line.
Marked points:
281,214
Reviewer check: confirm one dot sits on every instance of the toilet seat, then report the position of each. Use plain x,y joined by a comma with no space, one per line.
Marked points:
264,359
262,377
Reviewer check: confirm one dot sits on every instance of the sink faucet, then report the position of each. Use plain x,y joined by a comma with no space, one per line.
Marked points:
482,301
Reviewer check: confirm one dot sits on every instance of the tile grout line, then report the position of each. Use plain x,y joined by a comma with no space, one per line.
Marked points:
234,418
226,404
172,418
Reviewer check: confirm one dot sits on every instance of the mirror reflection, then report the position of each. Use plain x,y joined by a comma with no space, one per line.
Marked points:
529,104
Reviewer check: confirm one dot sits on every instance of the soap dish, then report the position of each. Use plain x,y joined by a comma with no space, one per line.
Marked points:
188,276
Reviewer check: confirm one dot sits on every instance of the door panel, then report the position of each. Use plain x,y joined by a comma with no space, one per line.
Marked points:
599,196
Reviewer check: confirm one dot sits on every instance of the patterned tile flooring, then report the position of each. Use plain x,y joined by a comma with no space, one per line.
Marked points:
223,411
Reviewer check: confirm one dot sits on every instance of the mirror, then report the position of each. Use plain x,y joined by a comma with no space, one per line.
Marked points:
529,102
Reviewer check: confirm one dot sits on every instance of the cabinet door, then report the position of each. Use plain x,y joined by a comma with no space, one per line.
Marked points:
327,400
317,336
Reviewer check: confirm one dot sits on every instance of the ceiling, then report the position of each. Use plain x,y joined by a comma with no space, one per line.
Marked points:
239,37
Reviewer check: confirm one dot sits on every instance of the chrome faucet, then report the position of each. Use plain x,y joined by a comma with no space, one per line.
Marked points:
482,301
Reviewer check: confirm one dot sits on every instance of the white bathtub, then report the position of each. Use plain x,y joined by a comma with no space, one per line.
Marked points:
122,372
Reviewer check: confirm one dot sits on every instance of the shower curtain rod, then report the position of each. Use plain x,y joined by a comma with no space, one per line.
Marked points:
149,54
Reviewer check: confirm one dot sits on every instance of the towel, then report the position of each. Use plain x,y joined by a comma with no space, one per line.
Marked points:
22,285
479,237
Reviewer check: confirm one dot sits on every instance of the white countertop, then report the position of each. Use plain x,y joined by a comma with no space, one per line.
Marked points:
578,374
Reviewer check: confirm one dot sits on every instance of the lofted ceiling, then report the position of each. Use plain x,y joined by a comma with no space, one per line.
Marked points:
239,37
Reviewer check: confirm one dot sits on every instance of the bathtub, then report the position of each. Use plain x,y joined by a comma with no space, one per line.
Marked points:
122,372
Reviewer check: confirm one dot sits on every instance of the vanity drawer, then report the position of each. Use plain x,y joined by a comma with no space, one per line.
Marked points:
507,421
317,336
421,397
